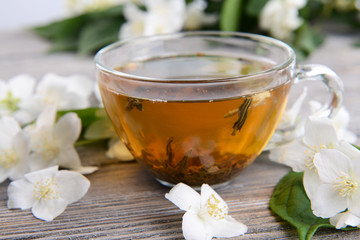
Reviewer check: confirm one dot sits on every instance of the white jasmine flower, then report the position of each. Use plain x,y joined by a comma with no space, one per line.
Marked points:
135,25
299,154
15,96
196,17
162,16
47,192
206,214
343,219
118,150
53,143
66,93
14,150
281,17
339,184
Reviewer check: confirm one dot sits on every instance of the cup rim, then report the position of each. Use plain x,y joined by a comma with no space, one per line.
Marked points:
251,36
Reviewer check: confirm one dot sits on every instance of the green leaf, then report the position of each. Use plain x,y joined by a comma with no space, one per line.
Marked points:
87,115
100,129
97,35
254,7
85,33
306,40
357,44
96,126
230,16
291,203
62,29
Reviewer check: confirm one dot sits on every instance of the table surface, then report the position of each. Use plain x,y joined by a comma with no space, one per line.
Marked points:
124,201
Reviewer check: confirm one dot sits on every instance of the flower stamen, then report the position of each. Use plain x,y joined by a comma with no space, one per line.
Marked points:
310,154
8,158
214,209
346,184
49,147
46,189
10,102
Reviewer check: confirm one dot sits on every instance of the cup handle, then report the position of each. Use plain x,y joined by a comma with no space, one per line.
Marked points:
312,72
317,72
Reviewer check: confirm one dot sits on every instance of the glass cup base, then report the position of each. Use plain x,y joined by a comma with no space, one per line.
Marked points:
197,188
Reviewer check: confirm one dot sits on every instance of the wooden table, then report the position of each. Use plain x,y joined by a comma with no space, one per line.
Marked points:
124,201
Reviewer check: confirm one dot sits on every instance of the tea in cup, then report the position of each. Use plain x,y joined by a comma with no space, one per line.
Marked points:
198,107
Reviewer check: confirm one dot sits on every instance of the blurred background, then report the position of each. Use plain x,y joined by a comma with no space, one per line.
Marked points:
20,14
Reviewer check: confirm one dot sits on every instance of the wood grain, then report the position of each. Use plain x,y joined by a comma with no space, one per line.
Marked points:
124,201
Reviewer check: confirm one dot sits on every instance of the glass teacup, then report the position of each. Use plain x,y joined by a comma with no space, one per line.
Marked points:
198,107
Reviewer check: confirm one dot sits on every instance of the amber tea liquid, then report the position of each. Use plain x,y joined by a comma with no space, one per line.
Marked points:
190,134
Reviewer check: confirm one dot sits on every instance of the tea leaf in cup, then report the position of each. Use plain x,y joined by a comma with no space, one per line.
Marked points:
133,102
243,111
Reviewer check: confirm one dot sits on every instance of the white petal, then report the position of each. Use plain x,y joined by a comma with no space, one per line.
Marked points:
354,202
67,129
184,197
319,131
68,158
47,117
48,81
49,209
19,170
291,114
343,219
207,192
294,156
5,141
30,108
80,84
132,12
21,147
72,185
86,169
338,220
193,227
331,164
227,227
70,100
21,144
9,126
21,194
37,162
22,85
24,117
36,176
326,202
119,151
311,182
352,220
349,150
